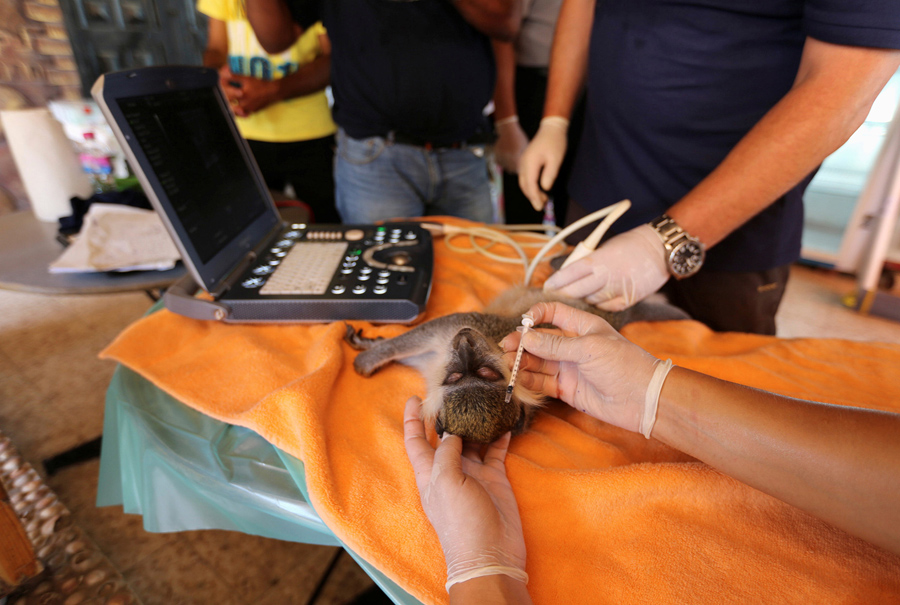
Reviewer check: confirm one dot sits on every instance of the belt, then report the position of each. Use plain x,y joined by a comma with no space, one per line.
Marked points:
478,140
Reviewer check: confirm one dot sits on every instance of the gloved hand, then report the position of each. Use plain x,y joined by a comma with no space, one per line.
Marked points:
624,270
469,502
589,366
539,164
511,142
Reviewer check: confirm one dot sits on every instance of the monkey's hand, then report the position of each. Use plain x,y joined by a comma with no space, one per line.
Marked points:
468,500
356,340
590,366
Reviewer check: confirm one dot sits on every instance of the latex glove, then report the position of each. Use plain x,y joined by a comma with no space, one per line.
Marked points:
624,270
588,365
468,500
511,142
539,165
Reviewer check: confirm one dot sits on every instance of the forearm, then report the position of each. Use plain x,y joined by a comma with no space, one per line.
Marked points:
309,78
505,89
569,57
837,463
499,19
272,23
214,58
821,111
490,590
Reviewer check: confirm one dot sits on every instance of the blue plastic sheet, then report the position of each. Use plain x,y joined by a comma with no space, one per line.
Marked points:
182,470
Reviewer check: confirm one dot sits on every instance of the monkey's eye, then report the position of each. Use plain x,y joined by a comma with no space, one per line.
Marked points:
488,373
454,377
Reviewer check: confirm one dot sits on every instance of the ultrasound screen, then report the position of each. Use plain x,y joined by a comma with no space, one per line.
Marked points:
199,164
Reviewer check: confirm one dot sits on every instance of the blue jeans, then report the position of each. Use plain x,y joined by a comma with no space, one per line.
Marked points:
378,179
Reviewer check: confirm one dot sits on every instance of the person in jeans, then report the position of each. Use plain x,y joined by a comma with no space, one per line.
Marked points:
411,81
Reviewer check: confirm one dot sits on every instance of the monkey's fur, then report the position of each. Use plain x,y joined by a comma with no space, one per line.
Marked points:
460,358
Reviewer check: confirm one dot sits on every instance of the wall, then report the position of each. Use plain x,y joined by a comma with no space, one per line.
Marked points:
36,66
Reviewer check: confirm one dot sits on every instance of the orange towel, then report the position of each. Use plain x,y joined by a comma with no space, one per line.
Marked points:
608,516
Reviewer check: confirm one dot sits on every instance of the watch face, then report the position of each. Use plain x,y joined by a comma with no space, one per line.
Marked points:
687,258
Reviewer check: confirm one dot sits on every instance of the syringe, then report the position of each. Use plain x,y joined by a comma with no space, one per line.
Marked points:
527,322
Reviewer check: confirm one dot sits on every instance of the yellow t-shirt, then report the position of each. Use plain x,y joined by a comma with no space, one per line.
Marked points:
298,119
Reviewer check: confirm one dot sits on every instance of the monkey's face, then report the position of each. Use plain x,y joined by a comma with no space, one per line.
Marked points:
474,391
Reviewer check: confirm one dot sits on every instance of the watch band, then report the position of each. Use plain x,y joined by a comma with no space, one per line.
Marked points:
669,231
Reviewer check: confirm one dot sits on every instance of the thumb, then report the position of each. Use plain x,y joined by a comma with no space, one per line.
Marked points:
448,456
553,347
548,174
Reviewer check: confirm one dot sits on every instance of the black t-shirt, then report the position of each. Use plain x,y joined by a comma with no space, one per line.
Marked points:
673,86
415,67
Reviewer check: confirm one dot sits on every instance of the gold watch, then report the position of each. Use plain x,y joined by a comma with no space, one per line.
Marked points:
684,253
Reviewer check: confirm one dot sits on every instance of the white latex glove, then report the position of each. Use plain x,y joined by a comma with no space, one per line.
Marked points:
468,500
624,270
539,165
511,142
589,366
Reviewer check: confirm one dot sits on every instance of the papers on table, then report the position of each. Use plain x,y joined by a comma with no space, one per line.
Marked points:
118,238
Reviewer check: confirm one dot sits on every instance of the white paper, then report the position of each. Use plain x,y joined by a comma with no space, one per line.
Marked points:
118,238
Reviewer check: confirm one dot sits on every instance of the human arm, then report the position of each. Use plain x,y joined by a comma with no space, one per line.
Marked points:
471,505
838,463
255,94
511,139
273,24
498,19
216,53
540,162
831,96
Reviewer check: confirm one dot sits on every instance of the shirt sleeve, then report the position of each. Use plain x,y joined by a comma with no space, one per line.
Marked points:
873,23
213,8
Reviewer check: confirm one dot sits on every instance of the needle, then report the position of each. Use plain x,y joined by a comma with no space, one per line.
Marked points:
527,322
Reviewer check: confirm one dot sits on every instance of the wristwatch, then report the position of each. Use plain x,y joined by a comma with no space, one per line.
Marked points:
684,254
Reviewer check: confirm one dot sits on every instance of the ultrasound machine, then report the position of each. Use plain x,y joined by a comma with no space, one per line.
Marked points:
180,138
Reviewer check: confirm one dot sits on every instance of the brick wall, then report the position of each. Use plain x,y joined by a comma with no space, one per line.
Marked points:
36,66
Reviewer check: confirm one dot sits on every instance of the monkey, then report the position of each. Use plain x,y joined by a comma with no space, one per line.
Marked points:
460,357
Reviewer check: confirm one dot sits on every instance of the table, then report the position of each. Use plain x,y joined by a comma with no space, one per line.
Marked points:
28,246
182,470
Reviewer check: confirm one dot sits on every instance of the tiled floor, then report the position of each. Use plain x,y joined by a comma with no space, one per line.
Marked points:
51,399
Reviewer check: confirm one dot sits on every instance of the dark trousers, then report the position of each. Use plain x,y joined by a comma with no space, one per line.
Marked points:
531,90
731,301
308,166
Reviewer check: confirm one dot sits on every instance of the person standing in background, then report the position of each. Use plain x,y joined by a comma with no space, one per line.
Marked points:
279,102
522,68
411,81
711,118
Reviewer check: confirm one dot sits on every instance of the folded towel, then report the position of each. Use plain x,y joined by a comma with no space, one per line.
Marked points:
608,516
